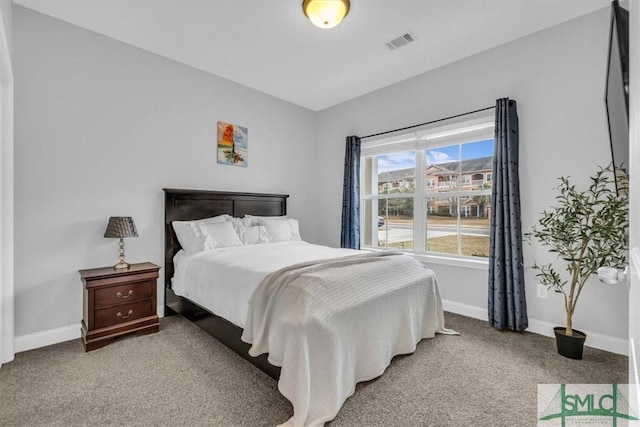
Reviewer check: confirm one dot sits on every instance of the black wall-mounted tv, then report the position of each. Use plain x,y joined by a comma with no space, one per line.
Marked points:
617,89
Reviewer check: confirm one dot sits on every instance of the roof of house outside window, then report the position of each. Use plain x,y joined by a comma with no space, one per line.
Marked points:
397,175
481,164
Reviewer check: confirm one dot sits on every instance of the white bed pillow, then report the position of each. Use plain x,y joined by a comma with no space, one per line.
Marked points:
275,232
251,220
240,225
278,229
190,235
255,234
294,225
219,235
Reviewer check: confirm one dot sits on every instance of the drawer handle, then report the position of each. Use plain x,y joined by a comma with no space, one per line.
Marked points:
119,294
125,316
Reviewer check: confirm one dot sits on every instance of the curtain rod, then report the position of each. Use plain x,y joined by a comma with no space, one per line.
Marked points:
428,123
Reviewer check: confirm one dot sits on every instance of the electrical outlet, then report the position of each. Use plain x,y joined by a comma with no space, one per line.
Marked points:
542,291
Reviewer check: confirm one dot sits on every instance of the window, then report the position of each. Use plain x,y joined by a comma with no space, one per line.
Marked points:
445,209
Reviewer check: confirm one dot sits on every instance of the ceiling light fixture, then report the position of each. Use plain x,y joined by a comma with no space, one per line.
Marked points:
326,13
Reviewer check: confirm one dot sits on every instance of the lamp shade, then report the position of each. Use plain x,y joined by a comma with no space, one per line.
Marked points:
121,226
326,13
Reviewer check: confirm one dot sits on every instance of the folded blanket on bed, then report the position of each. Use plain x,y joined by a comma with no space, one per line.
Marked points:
331,324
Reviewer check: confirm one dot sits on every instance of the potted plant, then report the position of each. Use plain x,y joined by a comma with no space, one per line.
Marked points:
586,230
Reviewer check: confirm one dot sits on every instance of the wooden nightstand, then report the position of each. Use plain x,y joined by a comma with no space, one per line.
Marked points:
118,302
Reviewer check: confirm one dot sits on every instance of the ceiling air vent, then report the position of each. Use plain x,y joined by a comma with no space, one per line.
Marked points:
401,41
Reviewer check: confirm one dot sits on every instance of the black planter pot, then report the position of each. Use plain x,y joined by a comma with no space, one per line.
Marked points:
572,346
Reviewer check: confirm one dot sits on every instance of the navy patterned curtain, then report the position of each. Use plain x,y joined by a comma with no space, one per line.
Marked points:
507,300
351,195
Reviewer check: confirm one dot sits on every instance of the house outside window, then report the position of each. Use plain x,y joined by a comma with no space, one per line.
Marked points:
445,210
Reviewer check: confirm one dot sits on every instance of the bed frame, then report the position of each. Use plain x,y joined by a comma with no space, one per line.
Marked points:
185,205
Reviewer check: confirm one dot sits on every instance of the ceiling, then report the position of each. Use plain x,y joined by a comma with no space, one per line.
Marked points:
270,46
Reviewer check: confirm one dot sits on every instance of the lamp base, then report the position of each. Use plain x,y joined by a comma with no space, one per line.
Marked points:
122,265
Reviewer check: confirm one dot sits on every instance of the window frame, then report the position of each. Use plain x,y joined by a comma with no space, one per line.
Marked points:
420,142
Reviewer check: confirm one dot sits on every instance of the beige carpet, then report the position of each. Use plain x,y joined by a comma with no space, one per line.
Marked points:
182,376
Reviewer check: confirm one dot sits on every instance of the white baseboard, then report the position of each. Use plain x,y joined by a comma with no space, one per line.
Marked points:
541,327
53,336
45,338
594,339
465,310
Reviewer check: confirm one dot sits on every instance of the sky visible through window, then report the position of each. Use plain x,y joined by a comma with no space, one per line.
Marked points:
407,159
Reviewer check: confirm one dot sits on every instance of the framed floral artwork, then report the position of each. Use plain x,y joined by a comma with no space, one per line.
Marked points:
232,144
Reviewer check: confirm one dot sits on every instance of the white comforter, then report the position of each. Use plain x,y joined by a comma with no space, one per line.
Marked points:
222,280
329,317
332,324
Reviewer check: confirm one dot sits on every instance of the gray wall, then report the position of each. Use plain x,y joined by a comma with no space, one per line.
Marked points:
101,128
6,6
557,76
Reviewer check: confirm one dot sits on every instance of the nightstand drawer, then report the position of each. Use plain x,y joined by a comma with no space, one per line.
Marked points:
124,313
123,294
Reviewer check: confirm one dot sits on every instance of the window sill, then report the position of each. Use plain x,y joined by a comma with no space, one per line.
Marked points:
470,263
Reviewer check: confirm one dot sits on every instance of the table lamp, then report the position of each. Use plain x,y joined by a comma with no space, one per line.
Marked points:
121,227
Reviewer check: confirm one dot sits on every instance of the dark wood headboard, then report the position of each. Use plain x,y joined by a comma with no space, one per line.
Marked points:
186,205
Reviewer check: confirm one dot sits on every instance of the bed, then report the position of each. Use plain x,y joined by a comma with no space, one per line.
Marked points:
320,322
